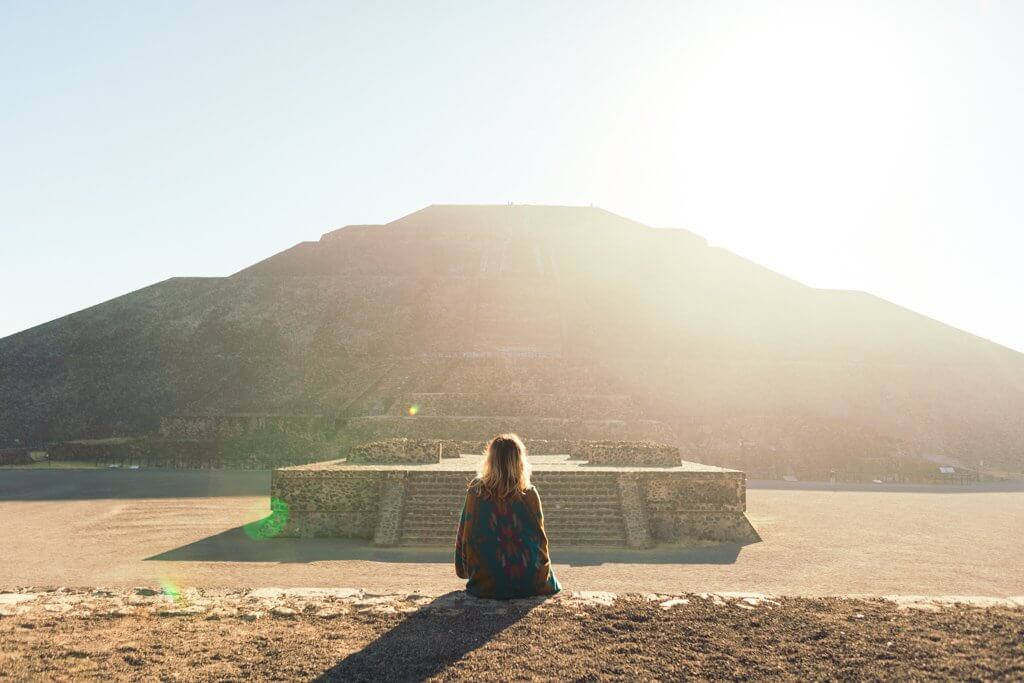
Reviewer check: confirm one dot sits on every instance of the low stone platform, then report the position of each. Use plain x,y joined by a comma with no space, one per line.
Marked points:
420,504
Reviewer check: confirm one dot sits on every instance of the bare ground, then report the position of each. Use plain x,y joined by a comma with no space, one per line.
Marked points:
345,634
122,528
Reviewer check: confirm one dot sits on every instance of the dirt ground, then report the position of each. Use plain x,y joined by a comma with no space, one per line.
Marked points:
141,528
348,635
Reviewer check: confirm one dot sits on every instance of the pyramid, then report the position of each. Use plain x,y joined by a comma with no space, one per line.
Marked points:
456,322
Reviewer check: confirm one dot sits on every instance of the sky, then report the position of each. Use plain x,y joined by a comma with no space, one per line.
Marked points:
874,146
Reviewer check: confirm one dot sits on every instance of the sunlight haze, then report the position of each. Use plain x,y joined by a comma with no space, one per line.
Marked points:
872,146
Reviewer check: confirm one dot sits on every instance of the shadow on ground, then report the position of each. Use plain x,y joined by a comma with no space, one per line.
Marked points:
236,545
431,639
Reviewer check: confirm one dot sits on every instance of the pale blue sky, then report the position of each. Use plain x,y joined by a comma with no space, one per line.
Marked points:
860,145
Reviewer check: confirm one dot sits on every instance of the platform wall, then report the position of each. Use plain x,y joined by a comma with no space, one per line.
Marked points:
657,507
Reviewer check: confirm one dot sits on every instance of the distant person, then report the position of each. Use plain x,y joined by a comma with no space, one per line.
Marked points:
501,548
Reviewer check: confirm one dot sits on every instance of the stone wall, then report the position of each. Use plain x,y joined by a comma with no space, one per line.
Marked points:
319,503
534,446
15,456
410,451
478,428
634,512
227,426
658,506
392,504
632,453
700,506
186,453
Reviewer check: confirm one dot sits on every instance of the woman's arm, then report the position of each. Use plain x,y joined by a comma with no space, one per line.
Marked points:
461,540
539,510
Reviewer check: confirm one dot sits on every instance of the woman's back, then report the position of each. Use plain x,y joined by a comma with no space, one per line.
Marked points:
502,548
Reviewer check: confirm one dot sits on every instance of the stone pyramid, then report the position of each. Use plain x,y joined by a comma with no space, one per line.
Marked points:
557,322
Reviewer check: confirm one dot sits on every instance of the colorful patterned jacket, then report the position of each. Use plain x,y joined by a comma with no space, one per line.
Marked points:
502,549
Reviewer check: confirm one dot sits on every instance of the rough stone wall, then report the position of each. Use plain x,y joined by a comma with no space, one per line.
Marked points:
476,428
657,507
322,503
392,504
125,448
650,454
227,426
534,446
701,506
634,511
723,527
626,453
13,456
699,491
420,451
236,453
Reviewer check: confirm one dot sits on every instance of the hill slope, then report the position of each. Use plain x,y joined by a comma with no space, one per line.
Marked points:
475,313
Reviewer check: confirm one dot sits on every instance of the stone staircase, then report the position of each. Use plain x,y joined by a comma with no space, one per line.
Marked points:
578,510
581,508
432,506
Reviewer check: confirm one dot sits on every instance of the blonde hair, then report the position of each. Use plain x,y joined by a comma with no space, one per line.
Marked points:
505,471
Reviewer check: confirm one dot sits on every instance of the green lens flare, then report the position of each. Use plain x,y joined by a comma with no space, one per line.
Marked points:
271,525
170,590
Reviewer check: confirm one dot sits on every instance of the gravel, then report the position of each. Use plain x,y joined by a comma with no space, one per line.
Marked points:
351,635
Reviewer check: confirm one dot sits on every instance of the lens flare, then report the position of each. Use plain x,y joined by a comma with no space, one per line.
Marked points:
170,590
414,409
271,525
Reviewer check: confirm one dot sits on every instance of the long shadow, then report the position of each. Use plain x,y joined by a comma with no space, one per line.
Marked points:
94,484
239,545
431,639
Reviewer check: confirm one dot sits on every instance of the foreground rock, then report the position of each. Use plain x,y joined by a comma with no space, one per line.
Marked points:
348,634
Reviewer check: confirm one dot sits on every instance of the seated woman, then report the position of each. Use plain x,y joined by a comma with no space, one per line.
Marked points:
501,548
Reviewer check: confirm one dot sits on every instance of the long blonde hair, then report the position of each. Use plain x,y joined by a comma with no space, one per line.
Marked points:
505,471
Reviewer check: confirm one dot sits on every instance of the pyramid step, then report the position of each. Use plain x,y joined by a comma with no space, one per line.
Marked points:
572,503
427,503
568,504
549,523
549,512
555,543
430,533
578,511
583,524
582,513
585,532
549,518
573,542
454,495
446,524
568,495
558,520
584,510
556,534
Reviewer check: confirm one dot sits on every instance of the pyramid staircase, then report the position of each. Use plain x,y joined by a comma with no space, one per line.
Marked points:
578,510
